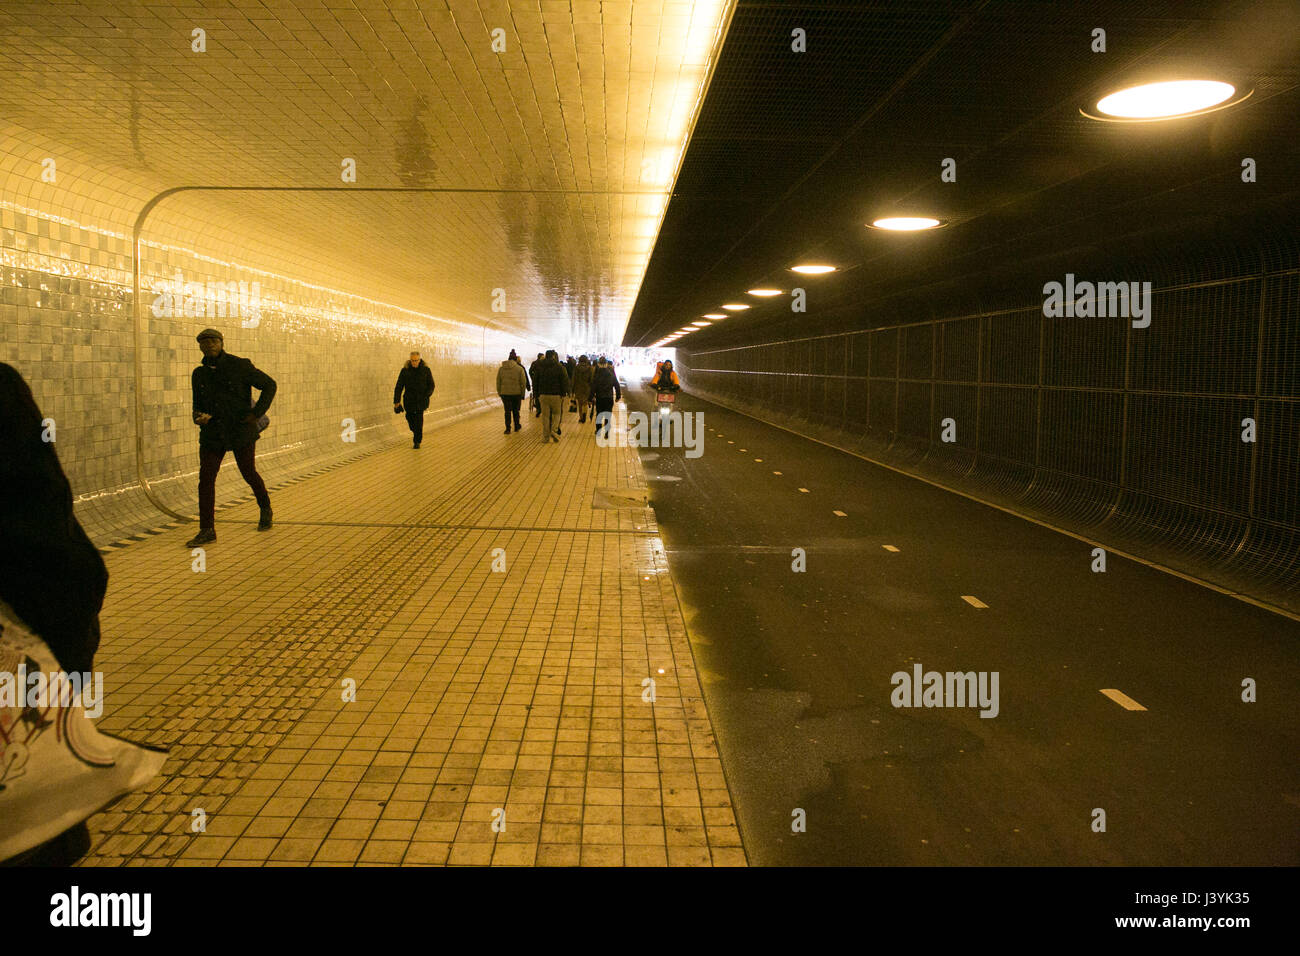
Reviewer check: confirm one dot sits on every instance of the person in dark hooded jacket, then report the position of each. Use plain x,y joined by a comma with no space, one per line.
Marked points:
604,389
228,420
416,381
532,377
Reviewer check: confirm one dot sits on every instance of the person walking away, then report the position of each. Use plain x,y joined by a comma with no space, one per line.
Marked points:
582,387
228,421
416,381
532,374
604,390
570,366
512,382
551,383
528,382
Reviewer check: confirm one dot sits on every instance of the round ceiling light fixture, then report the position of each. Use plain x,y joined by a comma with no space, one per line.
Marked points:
735,306
811,269
700,325
906,223
714,315
763,293
1170,99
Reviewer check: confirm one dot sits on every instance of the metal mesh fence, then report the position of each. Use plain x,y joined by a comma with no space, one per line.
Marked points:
1136,436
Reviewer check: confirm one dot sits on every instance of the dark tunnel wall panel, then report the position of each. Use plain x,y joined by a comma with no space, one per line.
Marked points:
884,353
1081,434
959,351
1083,353
960,403
1278,463
1280,359
915,417
1190,450
918,350
1199,340
883,398
1010,348
1007,421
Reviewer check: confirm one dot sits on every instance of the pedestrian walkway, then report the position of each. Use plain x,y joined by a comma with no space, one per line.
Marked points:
502,707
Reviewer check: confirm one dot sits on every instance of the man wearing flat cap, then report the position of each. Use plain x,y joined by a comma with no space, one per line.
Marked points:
228,421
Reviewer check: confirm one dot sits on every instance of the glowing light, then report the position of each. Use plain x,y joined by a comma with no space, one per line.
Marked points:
811,269
714,315
905,223
1165,100
764,293
700,325
735,306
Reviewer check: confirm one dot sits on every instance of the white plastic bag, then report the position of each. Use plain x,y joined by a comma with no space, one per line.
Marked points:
56,769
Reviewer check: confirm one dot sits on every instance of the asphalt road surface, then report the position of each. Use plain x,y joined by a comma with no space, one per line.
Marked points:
798,666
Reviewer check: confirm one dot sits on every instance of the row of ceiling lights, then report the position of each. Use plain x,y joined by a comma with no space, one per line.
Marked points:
1174,99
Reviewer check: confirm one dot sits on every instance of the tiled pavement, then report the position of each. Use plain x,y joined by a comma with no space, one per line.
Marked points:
498,715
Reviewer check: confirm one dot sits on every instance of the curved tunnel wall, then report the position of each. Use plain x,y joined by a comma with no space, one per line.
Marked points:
66,316
1132,437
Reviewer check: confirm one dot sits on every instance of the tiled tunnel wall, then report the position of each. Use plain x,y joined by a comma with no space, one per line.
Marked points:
1132,437
66,322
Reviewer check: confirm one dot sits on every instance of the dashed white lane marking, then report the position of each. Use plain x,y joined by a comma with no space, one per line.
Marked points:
776,473
804,490
1123,699
840,513
889,547
973,601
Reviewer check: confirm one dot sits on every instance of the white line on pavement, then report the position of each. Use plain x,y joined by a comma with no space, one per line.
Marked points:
1123,699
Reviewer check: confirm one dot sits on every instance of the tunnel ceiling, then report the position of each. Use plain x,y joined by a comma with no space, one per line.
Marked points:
795,152
596,97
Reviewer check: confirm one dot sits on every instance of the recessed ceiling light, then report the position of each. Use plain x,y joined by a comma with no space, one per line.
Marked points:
1170,99
700,325
714,315
735,306
905,223
763,292
811,269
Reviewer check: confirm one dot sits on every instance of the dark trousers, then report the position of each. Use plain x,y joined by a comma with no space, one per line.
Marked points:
512,404
604,406
415,421
210,464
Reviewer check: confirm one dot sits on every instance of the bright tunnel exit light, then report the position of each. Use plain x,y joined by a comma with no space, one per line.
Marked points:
905,223
1167,100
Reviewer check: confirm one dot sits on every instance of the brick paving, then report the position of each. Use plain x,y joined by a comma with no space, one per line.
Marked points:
498,717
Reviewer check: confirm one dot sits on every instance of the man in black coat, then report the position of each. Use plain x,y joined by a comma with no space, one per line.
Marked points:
416,380
551,383
532,377
228,421
604,389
